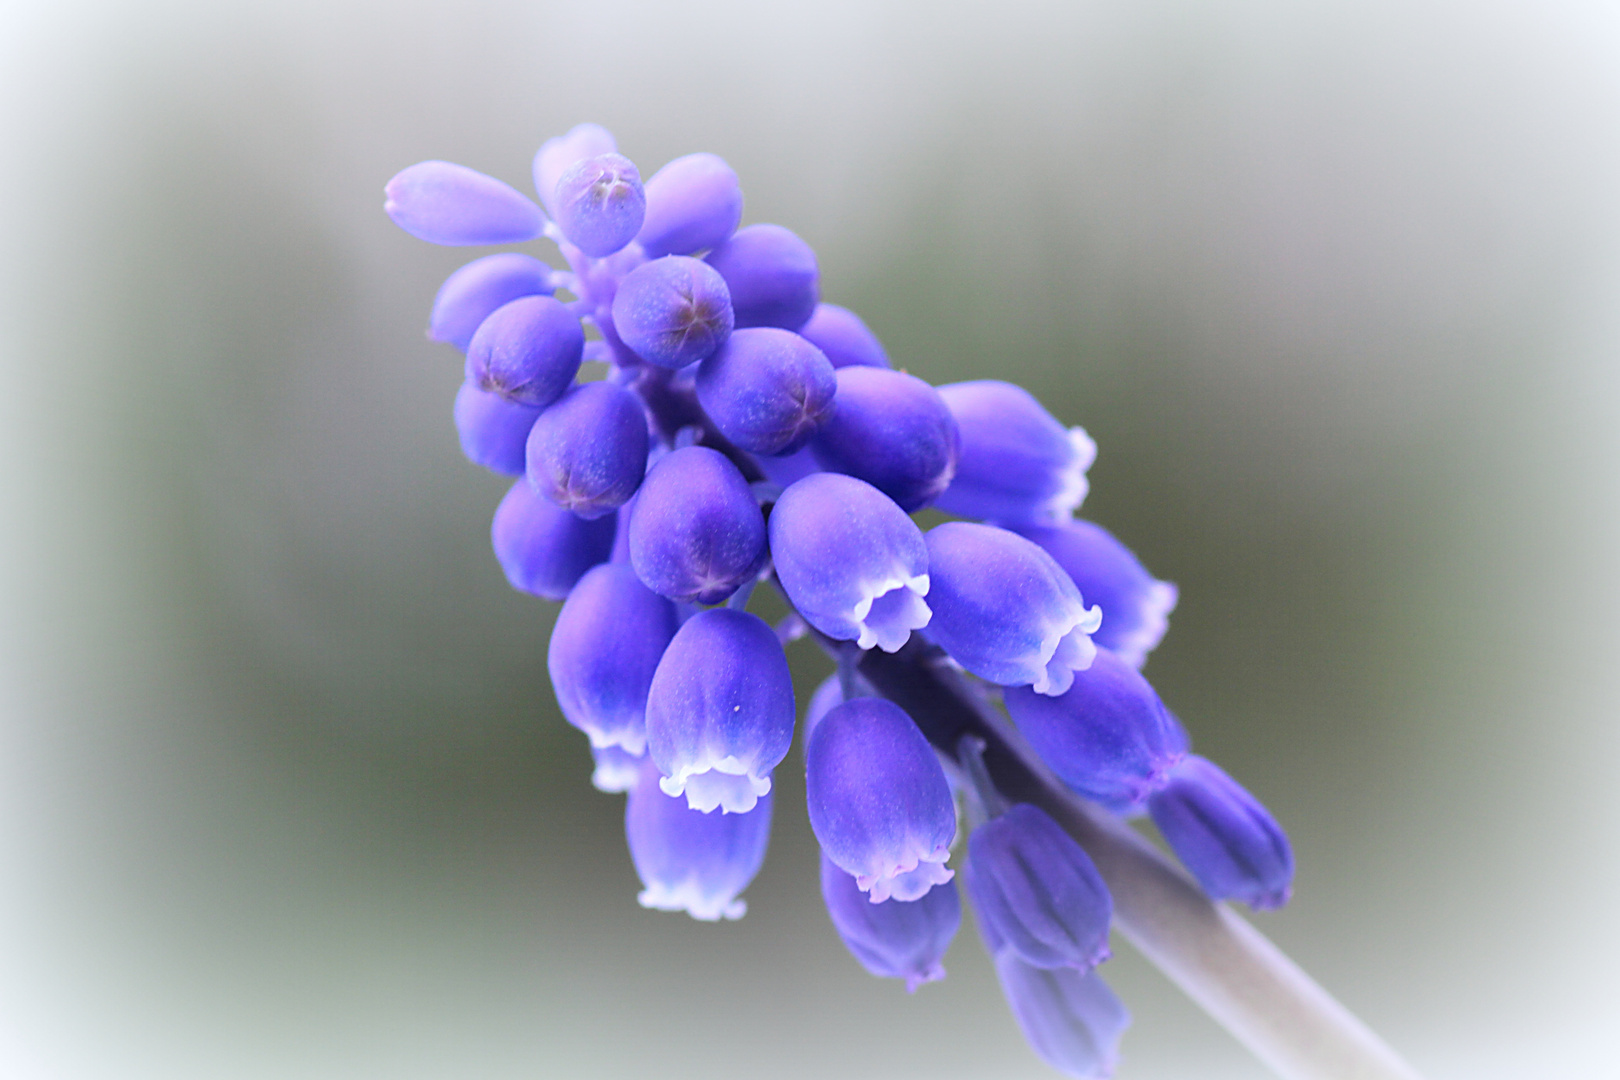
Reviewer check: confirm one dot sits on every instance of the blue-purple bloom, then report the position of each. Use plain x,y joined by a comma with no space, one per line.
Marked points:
543,548
1070,1018
605,646
561,152
588,451
599,203
1017,464
673,311
847,341
851,561
493,429
878,799
892,430
472,293
773,275
691,861
897,940
1038,891
1220,832
720,710
1005,610
693,204
697,533
1108,736
451,204
528,350
766,389
1135,606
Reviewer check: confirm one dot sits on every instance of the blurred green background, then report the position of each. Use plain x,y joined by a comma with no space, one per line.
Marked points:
283,789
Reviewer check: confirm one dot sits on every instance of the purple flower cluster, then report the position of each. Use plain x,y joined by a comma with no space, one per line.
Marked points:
733,428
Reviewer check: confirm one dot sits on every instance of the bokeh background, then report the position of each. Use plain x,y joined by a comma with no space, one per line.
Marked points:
283,790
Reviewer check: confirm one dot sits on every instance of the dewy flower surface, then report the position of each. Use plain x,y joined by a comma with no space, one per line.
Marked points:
733,429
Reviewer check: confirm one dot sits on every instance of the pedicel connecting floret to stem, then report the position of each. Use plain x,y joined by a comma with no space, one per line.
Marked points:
747,431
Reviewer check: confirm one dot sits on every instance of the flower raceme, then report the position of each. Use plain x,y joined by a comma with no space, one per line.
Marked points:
747,431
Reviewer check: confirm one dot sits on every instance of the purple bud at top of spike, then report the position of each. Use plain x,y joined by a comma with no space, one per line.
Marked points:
543,548
673,311
720,711
878,799
472,293
690,861
1136,607
898,940
1071,1019
587,452
599,204
1230,842
493,430
892,430
616,769
1018,465
773,276
697,533
1109,737
559,153
767,390
693,203
846,340
607,642
850,560
1038,890
1005,610
528,350
451,204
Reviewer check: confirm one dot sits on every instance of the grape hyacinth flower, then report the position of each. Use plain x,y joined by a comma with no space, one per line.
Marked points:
748,433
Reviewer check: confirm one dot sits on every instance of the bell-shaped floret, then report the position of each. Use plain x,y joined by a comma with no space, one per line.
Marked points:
616,769
773,276
587,452
898,940
846,340
528,350
892,430
767,390
451,204
493,429
561,152
606,644
1005,610
543,548
850,560
599,204
673,311
691,861
1109,737
1136,608
693,204
1038,890
720,710
1017,465
469,295
1230,842
878,799
696,533
1071,1019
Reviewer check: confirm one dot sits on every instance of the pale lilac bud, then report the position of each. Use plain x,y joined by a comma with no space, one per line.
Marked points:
1230,842
528,350
878,799
605,646
472,293
846,340
693,204
493,429
1017,464
897,940
1109,737
691,861
1038,890
561,152
673,311
772,274
1071,1019
850,560
1005,610
720,711
451,204
543,548
588,451
696,533
1136,608
599,204
767,390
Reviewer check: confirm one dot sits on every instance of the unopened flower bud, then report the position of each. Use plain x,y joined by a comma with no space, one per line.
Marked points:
892,430
767,390
543,548
599,204
472,293
846,340
772,274
693,203
1071,1019
561,152
1017,464
493,429
451,204
897,940
696,533
1220,832
528,350
673,311
588,451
